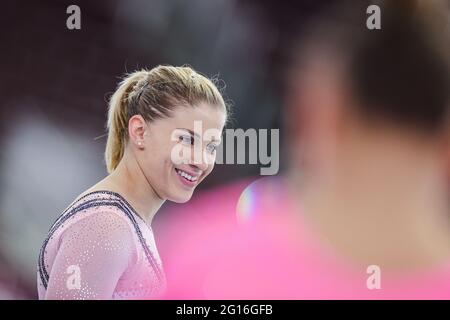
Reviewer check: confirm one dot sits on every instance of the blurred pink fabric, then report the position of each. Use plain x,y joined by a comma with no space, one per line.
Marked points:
261,247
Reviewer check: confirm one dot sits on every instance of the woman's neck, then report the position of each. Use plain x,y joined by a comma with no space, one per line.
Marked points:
129,181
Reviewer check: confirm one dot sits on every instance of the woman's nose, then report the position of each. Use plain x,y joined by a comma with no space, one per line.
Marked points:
199,163
199,166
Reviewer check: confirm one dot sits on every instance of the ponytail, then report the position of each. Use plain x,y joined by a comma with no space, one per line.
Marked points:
117,119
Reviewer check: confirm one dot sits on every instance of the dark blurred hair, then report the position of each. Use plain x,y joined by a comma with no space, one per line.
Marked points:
399,73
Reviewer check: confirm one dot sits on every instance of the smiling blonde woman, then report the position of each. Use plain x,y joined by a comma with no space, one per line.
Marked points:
102,245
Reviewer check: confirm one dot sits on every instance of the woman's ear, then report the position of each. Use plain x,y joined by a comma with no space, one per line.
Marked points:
136,130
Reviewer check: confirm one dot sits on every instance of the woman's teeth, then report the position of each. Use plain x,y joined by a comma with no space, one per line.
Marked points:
186,175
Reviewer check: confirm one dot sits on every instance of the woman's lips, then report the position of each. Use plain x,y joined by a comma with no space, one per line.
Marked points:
187,178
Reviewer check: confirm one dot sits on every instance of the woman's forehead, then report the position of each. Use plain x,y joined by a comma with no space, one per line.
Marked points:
208,116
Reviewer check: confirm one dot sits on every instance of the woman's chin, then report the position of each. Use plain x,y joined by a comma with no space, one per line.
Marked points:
181,198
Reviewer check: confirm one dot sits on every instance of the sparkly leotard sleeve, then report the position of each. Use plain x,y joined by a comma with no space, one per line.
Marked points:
99,248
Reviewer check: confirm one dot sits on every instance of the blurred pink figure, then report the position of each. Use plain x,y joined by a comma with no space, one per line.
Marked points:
272,251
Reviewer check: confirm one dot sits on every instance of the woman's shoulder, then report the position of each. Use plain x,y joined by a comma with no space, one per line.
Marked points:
99,224
110,202
97,212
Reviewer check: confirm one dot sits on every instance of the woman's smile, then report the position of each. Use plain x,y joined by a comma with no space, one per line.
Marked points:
188,178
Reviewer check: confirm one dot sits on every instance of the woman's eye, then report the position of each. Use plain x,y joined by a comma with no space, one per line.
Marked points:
187,140
211,148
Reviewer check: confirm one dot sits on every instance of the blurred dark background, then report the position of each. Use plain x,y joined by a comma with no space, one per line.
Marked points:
55,83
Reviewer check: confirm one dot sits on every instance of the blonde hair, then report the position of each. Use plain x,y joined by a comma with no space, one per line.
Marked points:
154,94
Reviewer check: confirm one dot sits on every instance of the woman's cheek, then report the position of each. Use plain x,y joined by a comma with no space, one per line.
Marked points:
180,154
209,160
210,166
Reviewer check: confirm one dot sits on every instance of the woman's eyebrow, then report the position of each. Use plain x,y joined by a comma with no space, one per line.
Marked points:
215,140
198,136
191,132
